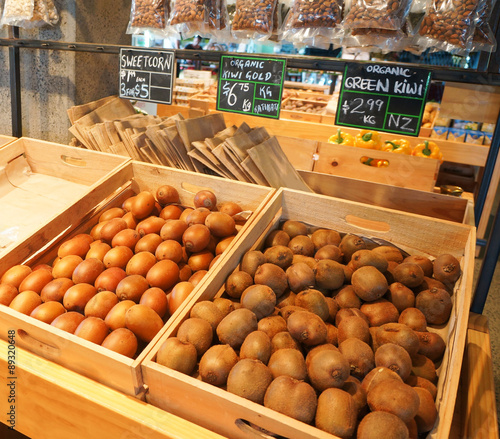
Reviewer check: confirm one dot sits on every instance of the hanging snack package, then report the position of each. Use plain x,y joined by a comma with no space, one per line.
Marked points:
216,20
254,19
15,12
376,14
484,38
376,40
44,13
150,15
188,17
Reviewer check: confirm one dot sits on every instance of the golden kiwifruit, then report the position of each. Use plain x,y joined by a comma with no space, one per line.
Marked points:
353,386
208,311
333,309
432,345
329,252
272,325
348,312
347,298
307,328
369,283
409,274
300,277
380,312
353,327
238,282
351,244
359,355
301,245
365,257
234,328
257,346
399,334
435,304
427,413
395,358
225,305
177,355
216,363
249,378
394,397
272,276
424,367
446,269
416,381
260,299
288,310
284,340
294,228
306,259
292,397
329,274
400,296
382,425
313,301
279,255
424,262
327,368
332,334
376,376
322,347
277,237
413,318
389,252
197,332
251,260
288,362
324,237
336,413
287,299
143,321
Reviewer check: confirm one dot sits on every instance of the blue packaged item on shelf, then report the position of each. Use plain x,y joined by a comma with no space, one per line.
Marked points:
476,137
457,135
439,133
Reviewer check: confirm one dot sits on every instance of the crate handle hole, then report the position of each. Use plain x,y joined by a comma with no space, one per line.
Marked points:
73,161
366,224
38,345
256,431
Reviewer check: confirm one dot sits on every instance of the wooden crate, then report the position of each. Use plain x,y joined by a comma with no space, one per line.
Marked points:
4,140
301,115
49,165
94,361
230,415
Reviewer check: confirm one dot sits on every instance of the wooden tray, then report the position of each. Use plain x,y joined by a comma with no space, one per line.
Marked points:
231,415
94,361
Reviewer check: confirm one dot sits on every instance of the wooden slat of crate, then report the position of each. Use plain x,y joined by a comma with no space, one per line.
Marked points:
4,140
221,411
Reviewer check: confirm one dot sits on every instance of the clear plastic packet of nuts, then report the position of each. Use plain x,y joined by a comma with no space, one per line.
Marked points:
44,13
375,14
15,12
254,19
150,15
483,37
376,40
30,14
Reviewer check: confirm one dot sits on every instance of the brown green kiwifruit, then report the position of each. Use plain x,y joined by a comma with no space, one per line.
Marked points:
347,298
353,327
389,252
413,318
300,277
394,397
401,296
289,362
279,255
333,309
178,355
332,334
427,413
424,262
409,274
391,266
322,347
272,276
238,282
348,271
435,304
369,283
288,310
382,425
347,312
416,381
225,305
412,429
284,340
251,260
399,334
249,378
432,345
216,363
234,328
327,368
376,376
365,257
277,237
301,245
446,269
307,328
424,367
353,386
287,299
373,338
294,228
260,299
337,413
323,237
395,358
272,325
430,282
257,345
380,312
349,245
313,301
306,260
359,355
329,274
329,252
197,332
208,311
292,397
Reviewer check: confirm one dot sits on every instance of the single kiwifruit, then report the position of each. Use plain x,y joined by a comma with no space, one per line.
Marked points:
435,304
300,277
369,283
424,262
238,282
430,282
257,345
178,355
329,252
216,363
412,429
251,260
413,318
333,309
348,312
289,362
327,368
380,312
319,348
394,397
208,311
347,298
332,334
234,328
260,299
272,325
288,310
409,274
307,328
349,245
287,299
329,274
313,301
353,327
353,386
225,305
324,237
400,296
301,245
394,357
277,237
284,340
272,276
389,252
306,260
279,255
294,228
337,413
382,425
416,381
249,378
399,334
424,367
359,355
198,332
427,413
373,340
376,376
432,345
292,397
446,269
365,257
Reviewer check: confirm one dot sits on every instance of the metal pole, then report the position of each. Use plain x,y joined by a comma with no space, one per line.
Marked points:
15,85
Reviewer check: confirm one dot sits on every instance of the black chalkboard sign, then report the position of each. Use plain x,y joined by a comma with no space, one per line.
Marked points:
147,75
251,85
383,97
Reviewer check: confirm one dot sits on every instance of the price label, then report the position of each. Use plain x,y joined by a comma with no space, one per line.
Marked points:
147,75
251,85
382,97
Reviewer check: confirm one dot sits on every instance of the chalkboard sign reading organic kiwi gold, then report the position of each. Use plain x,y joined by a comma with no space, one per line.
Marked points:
382,97
251,85
147,75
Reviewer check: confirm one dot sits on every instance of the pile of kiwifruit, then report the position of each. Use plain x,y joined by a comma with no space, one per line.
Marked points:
329,329
118,284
